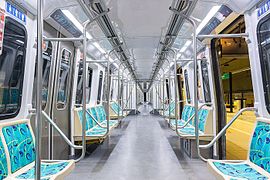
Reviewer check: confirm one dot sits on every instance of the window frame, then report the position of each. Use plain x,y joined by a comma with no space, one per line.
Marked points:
263,72
21,26
188,98
100,83
58,80
206,95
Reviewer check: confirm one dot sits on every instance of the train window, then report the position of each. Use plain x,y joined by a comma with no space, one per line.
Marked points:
100,86
47,58
205,78
167,88
187,86
264,47
12,62
79,92
63,79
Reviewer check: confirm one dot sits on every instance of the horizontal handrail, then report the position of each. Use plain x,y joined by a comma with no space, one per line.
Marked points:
223,131
60,131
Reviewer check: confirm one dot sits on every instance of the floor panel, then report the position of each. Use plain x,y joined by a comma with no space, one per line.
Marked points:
144,149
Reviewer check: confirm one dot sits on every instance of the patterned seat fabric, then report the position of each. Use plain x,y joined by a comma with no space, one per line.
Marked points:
3,160
20,145
239,170
47,170
189,130
21,150
259,150
102,117
116,108
259,154
89,122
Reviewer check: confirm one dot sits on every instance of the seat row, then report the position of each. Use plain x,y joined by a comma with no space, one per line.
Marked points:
17,145
205,117
257,164
169,110
96,123
116,109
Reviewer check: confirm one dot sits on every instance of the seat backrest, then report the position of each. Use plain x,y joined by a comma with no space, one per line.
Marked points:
172,107
115,107
185,113
202,114
3,161
89,121
101,113
19,139
259,152
93,111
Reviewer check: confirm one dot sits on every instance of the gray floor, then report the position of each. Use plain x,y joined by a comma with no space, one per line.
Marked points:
142,148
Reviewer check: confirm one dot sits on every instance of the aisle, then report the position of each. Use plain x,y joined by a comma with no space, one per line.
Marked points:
140,150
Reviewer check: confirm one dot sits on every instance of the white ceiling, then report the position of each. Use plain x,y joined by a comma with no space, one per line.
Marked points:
140,23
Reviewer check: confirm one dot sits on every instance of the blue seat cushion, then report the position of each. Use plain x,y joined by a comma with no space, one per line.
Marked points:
20,145
189,131
239,170
96,131
179,122
47,170
111,122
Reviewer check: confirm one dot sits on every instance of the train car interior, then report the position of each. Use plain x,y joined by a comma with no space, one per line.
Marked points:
135,90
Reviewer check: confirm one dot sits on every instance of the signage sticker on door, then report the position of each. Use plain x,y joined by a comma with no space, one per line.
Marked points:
2,28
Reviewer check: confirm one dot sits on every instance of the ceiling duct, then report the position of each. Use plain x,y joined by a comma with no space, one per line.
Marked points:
92,8
175,24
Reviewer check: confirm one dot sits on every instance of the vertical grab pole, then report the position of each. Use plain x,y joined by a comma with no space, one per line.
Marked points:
169,96
38,89
109,54
136,96
192,22
108,94
118,94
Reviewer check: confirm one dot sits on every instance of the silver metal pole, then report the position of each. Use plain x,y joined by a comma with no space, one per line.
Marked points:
136,96
223,131
211,36
60,131
63,39
108,96
38,119
192,22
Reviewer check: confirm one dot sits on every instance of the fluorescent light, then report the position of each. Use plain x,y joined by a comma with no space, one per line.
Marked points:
99,47
73,19
204,22
80,27
116,65
184,48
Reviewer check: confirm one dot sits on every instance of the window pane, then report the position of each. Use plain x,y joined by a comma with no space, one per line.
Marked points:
205,77
12,63
264,47
187,86
46,68
100,86
89,84
63,79
79,92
